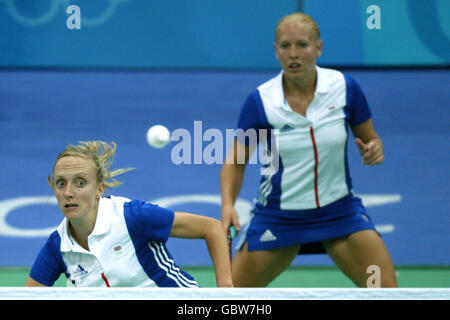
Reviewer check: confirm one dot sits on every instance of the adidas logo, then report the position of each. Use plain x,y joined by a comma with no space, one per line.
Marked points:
267,236
286,128
80,272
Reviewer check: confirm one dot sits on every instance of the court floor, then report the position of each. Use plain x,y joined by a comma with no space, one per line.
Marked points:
293,277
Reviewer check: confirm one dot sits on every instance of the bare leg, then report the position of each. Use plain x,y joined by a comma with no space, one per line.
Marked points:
259,268
354,253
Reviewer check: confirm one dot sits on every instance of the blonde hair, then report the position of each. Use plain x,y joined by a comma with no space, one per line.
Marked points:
299,17
101,154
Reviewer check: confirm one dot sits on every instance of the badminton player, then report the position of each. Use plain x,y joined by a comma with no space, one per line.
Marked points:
114,241
306,204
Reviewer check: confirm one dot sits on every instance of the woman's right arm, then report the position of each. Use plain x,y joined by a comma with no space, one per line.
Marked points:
33,283
231,179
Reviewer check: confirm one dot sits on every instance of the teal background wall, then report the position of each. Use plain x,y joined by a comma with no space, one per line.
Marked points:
217,33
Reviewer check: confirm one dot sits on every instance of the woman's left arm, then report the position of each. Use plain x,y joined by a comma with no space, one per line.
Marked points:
368,142
193,226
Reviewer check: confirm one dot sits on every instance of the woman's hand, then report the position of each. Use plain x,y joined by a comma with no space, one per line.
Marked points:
371,152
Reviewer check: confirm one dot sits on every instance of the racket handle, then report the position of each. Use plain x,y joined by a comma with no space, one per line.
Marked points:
231,233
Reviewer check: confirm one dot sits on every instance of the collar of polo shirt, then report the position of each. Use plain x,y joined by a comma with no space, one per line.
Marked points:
102,226
278,98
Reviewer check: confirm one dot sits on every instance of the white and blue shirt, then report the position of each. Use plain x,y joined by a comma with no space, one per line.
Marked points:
126,249
311,151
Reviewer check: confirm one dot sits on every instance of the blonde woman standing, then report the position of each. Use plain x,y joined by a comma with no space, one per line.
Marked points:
306,204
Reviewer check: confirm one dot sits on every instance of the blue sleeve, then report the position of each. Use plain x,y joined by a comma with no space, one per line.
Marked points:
49,263
253,117
148,220
358,110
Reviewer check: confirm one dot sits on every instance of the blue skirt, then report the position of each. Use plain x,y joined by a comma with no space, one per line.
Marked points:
271,229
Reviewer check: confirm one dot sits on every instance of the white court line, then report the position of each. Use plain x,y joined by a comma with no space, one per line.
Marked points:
385,228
